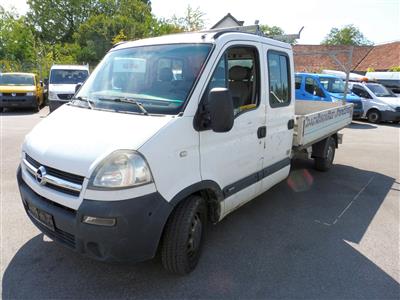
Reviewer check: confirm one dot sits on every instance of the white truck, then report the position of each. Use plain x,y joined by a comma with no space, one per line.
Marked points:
141,160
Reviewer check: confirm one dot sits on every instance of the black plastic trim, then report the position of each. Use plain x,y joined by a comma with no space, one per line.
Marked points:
255,177
197,187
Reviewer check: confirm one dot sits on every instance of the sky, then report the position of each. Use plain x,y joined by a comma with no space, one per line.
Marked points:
378,20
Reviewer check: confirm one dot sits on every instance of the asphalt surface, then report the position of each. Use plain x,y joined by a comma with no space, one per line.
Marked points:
331,235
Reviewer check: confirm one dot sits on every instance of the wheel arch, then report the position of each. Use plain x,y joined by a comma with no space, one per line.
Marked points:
209,190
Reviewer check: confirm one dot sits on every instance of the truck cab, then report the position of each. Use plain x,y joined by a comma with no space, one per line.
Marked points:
325,87
168,134
62,82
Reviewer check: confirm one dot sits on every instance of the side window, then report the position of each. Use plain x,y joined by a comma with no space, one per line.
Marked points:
279,79
359,91
298,82
238,70
310,85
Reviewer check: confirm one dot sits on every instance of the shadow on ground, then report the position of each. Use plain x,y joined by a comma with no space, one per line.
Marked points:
277,246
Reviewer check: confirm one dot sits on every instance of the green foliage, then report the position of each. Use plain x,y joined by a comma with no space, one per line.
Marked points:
271,31
370,69
193,20
347,35
394,69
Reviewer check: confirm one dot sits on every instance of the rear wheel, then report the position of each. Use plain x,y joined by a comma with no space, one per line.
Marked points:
183,236
374,116
323,164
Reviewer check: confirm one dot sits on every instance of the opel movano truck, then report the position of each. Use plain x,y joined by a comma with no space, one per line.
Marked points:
141,159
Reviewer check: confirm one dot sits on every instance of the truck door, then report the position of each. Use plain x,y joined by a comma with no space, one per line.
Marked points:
280,99
233,159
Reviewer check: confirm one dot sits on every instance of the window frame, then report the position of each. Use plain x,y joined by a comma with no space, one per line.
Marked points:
289,72
258,74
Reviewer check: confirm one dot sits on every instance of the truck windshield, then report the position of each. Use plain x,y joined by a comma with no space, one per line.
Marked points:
332,85
16,79
158,77
380,90
58,76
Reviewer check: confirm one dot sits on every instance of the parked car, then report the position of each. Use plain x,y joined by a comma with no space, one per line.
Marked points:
140,160
62,82
380,103
325,87
390,80
20,90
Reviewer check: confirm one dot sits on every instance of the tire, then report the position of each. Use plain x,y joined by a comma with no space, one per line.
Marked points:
374,116
183,236
323,164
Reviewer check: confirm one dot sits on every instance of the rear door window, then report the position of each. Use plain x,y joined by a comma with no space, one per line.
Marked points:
279,79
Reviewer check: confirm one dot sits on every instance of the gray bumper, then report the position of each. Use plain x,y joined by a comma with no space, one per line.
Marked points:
388,115
54,104
18,101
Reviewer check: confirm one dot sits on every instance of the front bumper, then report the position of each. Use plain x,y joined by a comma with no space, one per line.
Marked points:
134,237
388,115
18,101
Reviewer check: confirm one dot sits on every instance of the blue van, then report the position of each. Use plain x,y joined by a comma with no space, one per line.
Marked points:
325,87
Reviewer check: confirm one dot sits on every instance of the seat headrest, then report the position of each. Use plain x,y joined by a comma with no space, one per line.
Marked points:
239,73
166,74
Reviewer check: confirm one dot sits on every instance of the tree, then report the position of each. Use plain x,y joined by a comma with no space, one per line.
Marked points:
347,35
271,31
193,20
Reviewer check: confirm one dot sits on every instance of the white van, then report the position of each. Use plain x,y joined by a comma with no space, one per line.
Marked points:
62,82
142,159
380,104
390,80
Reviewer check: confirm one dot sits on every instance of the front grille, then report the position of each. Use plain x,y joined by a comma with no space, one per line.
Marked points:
58,174
65,96
55,172
16,94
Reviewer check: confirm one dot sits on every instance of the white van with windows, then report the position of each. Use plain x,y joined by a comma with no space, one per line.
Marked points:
167,135
62,83
379,102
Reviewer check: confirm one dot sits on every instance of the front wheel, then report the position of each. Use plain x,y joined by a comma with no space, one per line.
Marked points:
183,236
323,164
374,116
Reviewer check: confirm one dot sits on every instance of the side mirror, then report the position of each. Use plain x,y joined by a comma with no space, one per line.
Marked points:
318,92
221,109
78,86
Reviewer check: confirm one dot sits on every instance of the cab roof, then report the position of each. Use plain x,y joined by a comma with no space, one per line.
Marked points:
18,73
70,67
206,37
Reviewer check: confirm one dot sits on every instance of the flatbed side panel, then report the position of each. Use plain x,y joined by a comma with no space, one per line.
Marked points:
311,127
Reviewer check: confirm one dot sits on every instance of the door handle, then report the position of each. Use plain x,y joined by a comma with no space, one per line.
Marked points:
262,132
290,124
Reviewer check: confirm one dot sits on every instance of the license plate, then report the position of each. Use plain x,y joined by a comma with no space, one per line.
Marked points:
41,216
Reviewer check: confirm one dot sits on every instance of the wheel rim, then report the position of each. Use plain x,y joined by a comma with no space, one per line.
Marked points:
194,239
373,117
329,155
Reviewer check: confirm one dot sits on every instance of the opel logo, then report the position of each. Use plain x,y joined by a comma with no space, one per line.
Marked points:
13,94
40,175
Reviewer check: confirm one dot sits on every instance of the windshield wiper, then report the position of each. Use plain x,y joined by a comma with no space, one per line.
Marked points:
89,102
129,100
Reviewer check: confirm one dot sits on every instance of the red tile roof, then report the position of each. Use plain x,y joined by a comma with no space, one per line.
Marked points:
381,58
319,60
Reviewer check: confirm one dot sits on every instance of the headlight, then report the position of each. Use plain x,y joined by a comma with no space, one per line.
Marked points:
52,95
392,108
30,93
121,169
